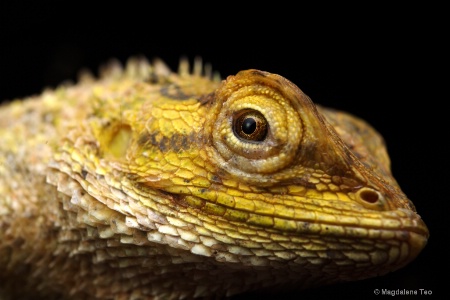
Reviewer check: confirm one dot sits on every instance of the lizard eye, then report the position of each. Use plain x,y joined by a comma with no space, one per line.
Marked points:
250,125
255,126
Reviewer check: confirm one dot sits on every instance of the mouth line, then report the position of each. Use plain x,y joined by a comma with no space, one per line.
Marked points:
419,230
396,226
409,230
413,229
400,220
313,216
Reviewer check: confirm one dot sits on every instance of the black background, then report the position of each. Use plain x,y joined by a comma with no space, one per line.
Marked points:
375,62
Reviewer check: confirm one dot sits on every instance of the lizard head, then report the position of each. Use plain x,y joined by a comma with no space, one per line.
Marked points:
310,172
249,172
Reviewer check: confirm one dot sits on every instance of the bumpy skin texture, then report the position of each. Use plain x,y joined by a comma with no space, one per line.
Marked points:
152,184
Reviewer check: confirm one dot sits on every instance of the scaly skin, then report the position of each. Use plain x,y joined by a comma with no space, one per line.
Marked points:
150,184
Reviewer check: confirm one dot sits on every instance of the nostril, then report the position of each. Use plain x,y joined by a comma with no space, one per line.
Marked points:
371,199
369,196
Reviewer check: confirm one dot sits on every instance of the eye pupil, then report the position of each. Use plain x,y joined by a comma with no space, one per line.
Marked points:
249,125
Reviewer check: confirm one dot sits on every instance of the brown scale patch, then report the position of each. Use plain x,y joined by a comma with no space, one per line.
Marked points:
174,143
301,181
175,92
153,78
176,198
144,139
207,99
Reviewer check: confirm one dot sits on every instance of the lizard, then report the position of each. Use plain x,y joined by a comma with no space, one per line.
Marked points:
143,183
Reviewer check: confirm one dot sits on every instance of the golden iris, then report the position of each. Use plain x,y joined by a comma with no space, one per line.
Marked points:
250,125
